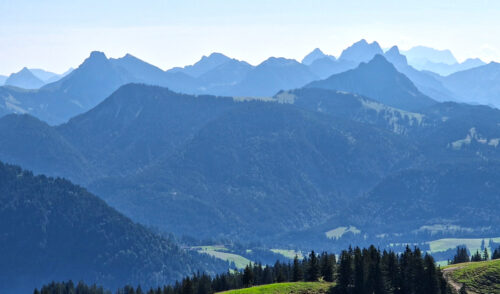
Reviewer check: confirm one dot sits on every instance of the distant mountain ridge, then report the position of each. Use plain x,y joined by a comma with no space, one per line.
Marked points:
361,51
24,79
315,55
427,83
97,77
379,80
479,85
421,54
439,61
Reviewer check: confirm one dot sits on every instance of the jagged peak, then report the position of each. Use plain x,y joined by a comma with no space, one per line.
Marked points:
97,54
394,50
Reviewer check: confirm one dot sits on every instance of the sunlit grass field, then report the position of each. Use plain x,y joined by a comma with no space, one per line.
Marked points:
480,277
286,288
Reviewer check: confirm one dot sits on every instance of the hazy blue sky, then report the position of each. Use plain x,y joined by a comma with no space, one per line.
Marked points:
57,34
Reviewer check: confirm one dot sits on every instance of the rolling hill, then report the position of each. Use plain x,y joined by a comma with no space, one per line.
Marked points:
478,277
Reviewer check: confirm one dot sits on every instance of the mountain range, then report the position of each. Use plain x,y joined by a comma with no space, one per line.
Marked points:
378,79
217,166
97,77
324,153
439,61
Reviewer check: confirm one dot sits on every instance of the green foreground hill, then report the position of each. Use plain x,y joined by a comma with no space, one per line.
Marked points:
286,288
478,277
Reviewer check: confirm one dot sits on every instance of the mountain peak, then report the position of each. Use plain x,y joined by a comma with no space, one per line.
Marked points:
315,55
395,57
97,54
361,51
204,65
378,79
95,58
278,61
216,55
393,50
24,79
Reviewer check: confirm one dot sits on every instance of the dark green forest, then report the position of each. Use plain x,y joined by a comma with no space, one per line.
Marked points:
358,270
55,230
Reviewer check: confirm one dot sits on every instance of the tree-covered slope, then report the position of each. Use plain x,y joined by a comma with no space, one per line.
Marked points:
54,230
260,163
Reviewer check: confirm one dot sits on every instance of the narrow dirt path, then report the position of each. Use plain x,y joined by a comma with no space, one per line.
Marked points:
448,276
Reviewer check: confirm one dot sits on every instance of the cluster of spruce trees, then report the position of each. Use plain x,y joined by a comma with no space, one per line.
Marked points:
357,271
370,271
496,254
463,256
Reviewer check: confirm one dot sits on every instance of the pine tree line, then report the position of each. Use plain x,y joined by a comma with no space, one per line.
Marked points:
463,256
370,271
357,271
496,254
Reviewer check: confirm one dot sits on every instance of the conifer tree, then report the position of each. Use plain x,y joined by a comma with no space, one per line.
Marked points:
297,274
187,286
327,266
485,254
313,269
496,254
461,255
430,281
476,256
359,272
345,272
248,277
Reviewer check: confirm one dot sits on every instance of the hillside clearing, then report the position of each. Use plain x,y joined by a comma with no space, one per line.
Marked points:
478,277
286,288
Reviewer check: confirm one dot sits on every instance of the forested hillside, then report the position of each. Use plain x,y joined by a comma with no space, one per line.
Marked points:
54,230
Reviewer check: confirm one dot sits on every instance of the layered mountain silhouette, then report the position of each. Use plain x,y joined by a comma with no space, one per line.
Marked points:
350,58
204,65
378,79
426,82
273,75
45,76
85,87
315,55
361,51
445,69
216,74
24,79
206,165
419,55
479,85
54,230
441,62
